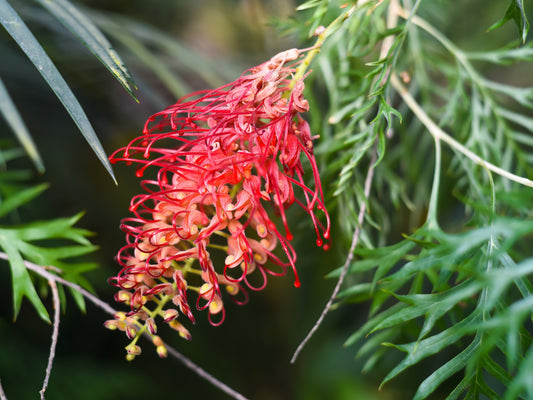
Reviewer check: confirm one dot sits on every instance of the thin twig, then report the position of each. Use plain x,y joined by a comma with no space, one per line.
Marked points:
2,394
347,262
199,371
43,271
110,310
392,19
55,334
438,133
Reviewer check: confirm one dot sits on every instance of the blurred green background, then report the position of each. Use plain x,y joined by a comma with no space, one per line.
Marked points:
213,42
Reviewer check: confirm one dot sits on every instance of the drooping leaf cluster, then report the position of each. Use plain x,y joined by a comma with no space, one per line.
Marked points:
51,243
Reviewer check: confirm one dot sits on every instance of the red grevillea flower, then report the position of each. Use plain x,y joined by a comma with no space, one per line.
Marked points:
228,163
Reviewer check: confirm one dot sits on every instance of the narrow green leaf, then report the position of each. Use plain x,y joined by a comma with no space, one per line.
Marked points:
479,386
11,179
460,388
22,284
522,380
79,24
369,325
18,30
381,147
497,371
370,364
309,4
515,11
503,56
21,197
79,280
141,37
177,86
78,297
372,343
518,118
16,122
352,109
432,382
52,255
386,257
60,228
358,290
419,350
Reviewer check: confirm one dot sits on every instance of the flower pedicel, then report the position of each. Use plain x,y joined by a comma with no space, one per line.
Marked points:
227,160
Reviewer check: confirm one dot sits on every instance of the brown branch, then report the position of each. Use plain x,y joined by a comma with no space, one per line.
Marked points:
347,262
40,270
55,334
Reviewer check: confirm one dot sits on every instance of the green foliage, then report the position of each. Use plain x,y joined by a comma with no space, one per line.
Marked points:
515,11
87,32
144,42
80,25
55,243
460,292
16,122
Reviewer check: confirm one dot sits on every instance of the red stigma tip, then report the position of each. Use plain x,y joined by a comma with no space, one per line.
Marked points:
139,173
326,247
326,235
289,236
297,283
319,242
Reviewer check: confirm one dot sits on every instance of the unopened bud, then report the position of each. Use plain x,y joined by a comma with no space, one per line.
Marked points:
156,340
121,315
123,296
161,351
131,331
184,333
133,349
170,314
114,324
152,327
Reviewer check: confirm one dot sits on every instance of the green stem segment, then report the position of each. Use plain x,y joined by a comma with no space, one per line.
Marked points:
322,34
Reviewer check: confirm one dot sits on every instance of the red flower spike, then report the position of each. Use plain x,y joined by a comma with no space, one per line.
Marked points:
227,159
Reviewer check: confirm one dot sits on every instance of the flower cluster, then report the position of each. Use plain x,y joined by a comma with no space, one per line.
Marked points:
228,161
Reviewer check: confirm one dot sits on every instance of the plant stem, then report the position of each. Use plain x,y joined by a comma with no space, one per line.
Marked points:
432,218
40,270
55,334
438,133
321,37
347,262
2,394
